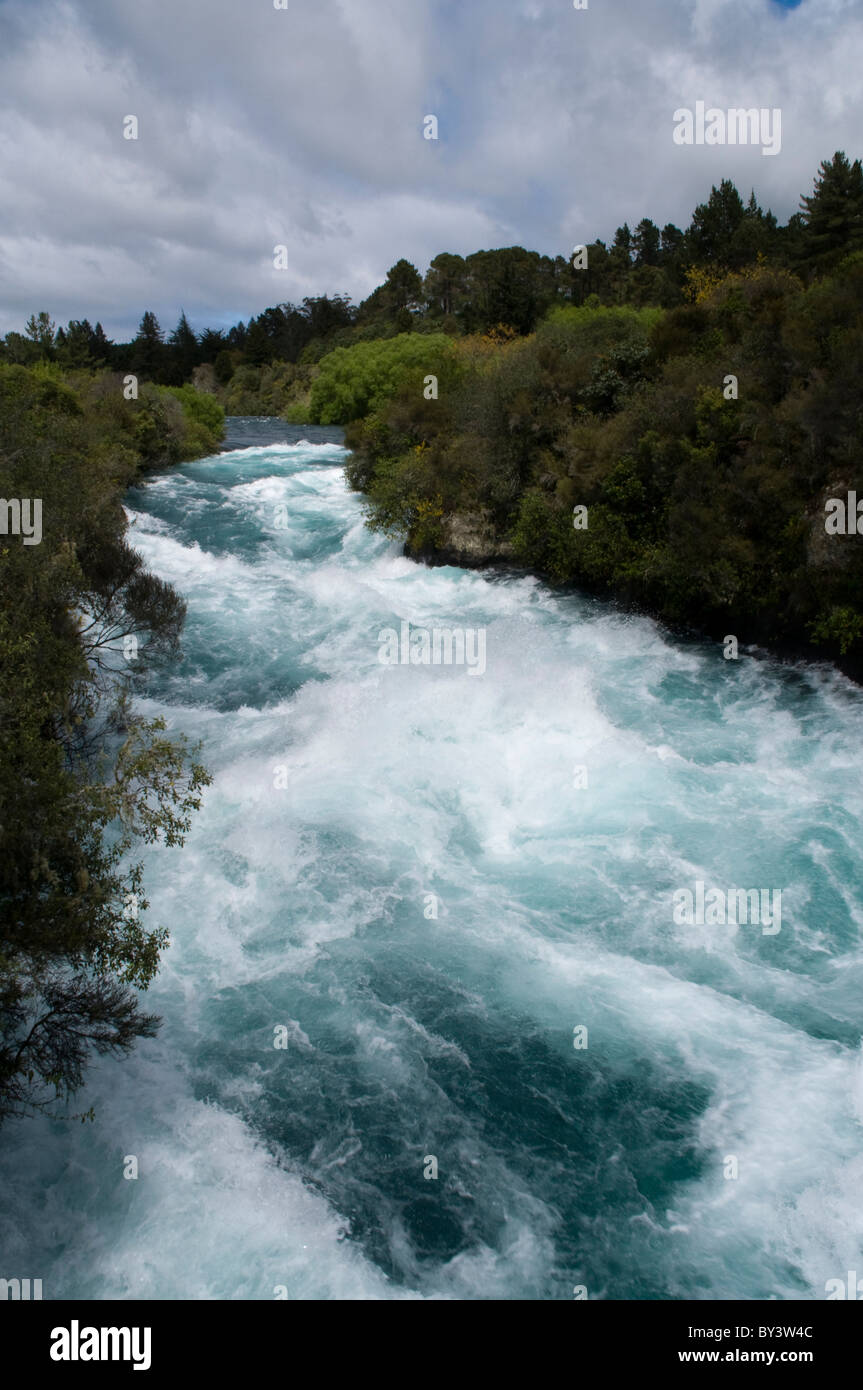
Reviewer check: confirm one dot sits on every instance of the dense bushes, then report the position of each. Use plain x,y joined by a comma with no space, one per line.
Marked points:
203,419
280,389
703,442
353,381
82,777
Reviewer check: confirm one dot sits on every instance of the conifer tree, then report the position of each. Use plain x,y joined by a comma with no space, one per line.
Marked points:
714,223
832,214
148,353
184,351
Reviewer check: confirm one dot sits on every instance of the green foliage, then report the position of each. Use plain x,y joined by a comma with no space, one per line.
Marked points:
705,509
842,627
398,503
833,214
224,367
504,290
277,389
148,356
353,381
204,421
543,536
184,352
82,777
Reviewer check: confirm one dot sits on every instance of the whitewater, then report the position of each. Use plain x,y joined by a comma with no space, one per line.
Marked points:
427,914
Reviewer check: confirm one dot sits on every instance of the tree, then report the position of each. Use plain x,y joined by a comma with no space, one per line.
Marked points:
236,336
100,346
672,240
754,236
645,243
623,240
184,351
258,348
445,284
351,380
400,294
83,777
404,286
73,345
711,233
327,314
223,367
40,330
19,349
593,281
832,214
148,348
509,286
211,343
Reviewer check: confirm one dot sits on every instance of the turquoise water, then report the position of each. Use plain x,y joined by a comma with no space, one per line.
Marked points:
305,906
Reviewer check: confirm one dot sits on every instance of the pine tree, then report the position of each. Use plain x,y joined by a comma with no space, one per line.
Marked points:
711,232
645,243
40,330
184,351
148,355
832,214
672,243
623,240
404,286
257,348
73,344
100,346
211,343
444,287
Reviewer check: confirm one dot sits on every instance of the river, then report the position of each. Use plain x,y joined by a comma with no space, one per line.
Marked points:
432,1027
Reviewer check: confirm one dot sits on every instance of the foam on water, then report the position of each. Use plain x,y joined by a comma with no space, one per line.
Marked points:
410,1036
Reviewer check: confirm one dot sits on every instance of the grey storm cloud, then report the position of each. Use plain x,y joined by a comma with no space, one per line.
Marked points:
304,127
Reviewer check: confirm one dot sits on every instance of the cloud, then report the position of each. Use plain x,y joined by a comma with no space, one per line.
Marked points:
304,127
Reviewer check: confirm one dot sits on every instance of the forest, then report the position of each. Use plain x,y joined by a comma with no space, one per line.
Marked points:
266,364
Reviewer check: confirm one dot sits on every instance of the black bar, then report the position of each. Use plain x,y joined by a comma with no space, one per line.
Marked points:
312,1339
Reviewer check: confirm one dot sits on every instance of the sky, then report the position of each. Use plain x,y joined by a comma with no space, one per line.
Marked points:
303,127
